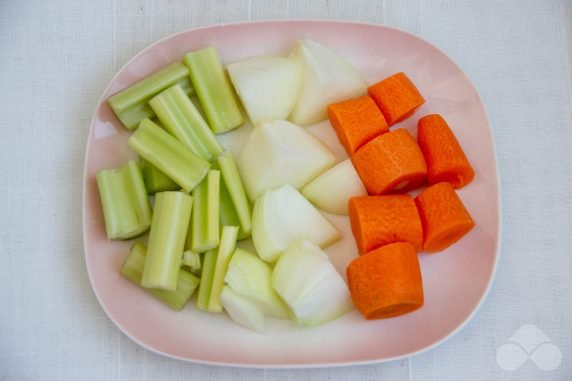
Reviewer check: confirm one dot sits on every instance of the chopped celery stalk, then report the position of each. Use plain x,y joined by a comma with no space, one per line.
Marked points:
235,189
203,234
169,155
155,180
181,118
213,90
193,261
207,273
167,240
224,254
130,104
126,209
251,277
242,311
132,269
227,212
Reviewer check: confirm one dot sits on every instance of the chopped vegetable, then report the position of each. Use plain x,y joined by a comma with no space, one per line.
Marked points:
126,208
282,216
332,190
132,269
445,158
386,282
213,89
207,274
308,282
380,220
392,162
224,255
242,311
169,155
181,119
397,97
278,153
203,234
444,217
155,180
267,86
328,78
166,240
356,122
251,277
130,105
192,260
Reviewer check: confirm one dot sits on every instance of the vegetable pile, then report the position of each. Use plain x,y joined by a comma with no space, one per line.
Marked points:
196,200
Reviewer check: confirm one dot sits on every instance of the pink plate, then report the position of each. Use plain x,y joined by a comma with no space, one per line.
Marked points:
456,281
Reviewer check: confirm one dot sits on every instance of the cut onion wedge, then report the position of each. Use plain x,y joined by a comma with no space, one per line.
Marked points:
242,311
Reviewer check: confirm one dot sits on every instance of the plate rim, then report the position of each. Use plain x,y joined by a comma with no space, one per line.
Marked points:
312,365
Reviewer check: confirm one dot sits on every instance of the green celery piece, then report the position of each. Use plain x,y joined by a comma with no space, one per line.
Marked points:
209,264
181,119
155,180
193,261
187,283
203,234
130,105
213,89
167,240
224,254
169,155
126,209
233,184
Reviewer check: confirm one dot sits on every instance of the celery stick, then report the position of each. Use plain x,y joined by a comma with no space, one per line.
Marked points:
181,118
166,240
193,261
155,180
130,104
169,155
132,269
224,254
209,264
213,89
126,209
203,233
233,184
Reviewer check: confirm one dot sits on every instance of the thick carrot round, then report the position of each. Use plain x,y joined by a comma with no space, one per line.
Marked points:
443,215
397,97
444,156
356,122
380,220
392,162
386,282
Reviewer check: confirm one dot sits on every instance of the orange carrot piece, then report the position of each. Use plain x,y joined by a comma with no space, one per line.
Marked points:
443,215
386,282
444,156
392,162
397,97
356,122
380,220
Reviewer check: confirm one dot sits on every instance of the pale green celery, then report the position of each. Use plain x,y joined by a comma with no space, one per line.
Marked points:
187,283
169,155
130,104
155,180
203,234
207,273
171,217
233,184
181,118
224,255
213,90
126,209
193,261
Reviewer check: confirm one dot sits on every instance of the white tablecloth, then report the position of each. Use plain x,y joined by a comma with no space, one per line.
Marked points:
57,56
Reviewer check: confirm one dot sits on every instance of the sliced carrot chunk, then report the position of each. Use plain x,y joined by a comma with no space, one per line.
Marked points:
444,156
443,215
356,122
386,282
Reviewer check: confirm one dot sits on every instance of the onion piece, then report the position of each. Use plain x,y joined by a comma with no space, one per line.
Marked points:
242,311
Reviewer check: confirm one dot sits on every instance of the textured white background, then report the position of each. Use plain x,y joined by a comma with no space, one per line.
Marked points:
56,58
